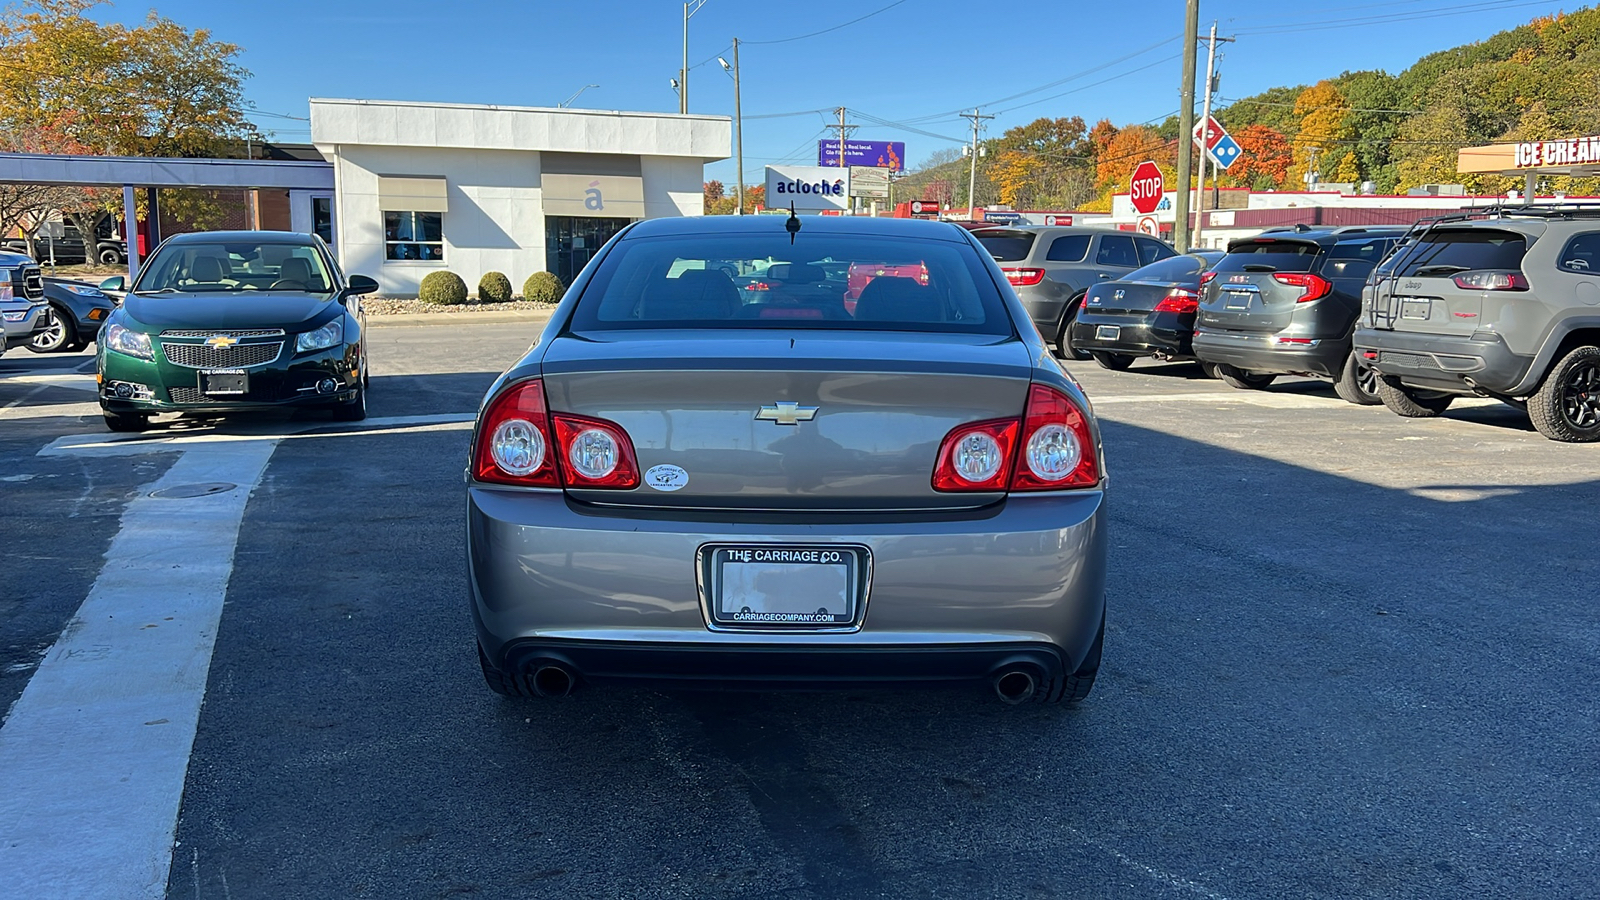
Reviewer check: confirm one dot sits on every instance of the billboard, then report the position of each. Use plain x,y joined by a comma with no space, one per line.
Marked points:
869,182
809,188
876,154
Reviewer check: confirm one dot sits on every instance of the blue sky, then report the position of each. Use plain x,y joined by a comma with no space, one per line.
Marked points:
916,63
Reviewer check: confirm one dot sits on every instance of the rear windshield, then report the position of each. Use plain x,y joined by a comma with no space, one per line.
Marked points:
1176,268
1270,256
1446,252
1355,259
1009,246
828,282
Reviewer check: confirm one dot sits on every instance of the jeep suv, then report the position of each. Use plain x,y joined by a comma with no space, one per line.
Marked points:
1286,303
1500,302
1051,268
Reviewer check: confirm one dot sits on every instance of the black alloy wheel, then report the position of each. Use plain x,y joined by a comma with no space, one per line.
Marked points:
1566,407
58,334
110,257
1358,382
1064,336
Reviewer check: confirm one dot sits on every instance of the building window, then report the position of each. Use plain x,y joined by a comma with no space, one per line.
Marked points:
413,236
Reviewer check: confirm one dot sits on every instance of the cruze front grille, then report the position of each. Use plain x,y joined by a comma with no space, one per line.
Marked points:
239,356
236,333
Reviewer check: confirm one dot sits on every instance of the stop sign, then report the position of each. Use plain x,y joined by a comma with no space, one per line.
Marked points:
1147,187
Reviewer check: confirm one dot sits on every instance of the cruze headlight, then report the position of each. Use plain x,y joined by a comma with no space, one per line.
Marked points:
128,342
329,335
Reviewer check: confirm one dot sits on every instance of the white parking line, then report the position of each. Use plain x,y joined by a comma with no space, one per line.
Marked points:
94,754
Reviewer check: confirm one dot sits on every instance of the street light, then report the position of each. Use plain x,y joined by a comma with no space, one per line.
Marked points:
690,7
568,102
738,126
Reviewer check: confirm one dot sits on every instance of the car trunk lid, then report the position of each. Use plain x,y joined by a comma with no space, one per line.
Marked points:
1246,293
835,420
1433,288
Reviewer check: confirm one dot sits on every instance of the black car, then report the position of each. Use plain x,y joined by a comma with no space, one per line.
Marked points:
109,248
1148,312
73,321
1286,303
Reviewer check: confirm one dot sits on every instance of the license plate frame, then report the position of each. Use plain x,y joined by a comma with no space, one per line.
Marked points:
1409,307
1236,300
224,382
738,581
1107,332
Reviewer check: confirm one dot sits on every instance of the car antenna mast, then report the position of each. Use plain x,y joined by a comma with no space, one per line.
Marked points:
793,223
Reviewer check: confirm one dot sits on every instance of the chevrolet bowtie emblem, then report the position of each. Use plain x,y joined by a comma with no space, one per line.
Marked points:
221,341
787,412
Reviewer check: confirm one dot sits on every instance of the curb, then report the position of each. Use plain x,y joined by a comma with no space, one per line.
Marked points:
492,318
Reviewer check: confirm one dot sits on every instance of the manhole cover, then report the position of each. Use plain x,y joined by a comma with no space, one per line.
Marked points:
185,491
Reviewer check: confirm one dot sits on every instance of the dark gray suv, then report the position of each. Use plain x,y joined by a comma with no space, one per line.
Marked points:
1501,302
1052,267
1286,302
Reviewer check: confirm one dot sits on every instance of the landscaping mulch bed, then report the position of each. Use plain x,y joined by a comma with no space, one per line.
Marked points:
389,306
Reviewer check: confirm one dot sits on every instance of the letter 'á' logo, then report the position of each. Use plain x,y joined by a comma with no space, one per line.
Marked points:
591,197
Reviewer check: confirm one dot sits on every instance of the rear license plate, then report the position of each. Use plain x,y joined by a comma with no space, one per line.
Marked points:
784,585
1411,308
224,382
1235,300
1107,332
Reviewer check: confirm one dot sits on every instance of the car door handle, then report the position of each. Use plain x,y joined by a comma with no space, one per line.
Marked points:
1103,275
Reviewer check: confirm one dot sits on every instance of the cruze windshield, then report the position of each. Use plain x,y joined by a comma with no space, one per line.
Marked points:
828,282
235,267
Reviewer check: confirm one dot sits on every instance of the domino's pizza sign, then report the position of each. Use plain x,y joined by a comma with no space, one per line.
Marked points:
810,188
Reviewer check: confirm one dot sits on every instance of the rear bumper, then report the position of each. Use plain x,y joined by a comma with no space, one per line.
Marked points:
1445,362
1166,333
731,666
1260,353
617,596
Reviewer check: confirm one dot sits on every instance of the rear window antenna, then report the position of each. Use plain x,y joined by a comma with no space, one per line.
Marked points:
793,224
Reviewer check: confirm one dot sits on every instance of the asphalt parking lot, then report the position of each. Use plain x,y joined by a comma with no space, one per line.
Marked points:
1348,655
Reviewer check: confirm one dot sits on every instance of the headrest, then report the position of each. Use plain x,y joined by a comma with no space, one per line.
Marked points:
898,300
803,272
205,268
694,294
295,268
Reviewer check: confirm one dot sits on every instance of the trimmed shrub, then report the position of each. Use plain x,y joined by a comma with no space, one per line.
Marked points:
543,287
494,287
444,288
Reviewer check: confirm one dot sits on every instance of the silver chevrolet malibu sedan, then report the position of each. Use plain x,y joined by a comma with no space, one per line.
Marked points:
769,452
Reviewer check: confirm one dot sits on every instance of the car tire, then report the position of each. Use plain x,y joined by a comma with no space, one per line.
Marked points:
125,422
355,410
1064,348
1207,369
1076,687
1358,383
1244,381
1566,407
1412,404
1116,362
109,256
59,335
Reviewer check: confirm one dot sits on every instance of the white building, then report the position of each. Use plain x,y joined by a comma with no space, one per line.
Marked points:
420,187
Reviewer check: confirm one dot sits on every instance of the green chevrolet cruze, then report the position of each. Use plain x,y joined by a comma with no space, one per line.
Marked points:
222,322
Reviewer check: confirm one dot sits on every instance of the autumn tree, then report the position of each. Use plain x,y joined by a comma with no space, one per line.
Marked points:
1118,151
1264,158
1321,143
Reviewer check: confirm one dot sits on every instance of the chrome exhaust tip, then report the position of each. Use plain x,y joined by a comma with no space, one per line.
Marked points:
552,681
1015,686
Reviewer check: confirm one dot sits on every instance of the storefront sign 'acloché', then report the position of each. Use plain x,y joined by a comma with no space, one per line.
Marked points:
809,188
833,188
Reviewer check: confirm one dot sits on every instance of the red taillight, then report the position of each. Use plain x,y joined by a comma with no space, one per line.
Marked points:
513,441
1205,279
1312,287
1051,449
1024,277
1179,300
595,453
976,457
758,286
519,442
1057,449
1491,281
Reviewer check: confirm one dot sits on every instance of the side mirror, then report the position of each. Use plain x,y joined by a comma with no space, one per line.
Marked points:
116,284
360,284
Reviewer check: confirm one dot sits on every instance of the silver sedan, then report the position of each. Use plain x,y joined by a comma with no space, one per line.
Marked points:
726,463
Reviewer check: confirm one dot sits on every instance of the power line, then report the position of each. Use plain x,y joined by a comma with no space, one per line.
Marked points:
813,34
1165,59
1359,22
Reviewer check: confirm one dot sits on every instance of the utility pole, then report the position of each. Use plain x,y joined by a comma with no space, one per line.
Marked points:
1191,36
844,131
1205,131
690,7
738,128
977,119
